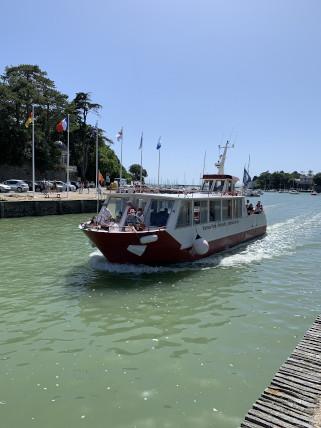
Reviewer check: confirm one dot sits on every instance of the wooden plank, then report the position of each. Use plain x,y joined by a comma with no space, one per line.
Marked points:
283,416
313,386
292,396
288,412
290,402
276,420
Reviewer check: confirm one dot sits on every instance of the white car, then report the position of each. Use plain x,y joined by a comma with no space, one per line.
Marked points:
4,188
65,186
17,185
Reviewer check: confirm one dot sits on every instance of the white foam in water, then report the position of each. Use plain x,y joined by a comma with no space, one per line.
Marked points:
281,239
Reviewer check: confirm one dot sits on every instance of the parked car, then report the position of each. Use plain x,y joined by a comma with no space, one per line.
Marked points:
64,186
17,185
4,188
76,184
39,185
56,186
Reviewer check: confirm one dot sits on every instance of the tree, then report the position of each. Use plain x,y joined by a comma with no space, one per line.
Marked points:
134,169
82,106
317,179
22,87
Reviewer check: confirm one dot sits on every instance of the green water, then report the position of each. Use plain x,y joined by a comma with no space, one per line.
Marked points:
87,344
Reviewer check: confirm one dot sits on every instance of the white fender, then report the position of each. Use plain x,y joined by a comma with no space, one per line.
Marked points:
138,250
200,245
148,239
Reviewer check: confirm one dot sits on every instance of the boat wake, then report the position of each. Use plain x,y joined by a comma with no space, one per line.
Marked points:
281,239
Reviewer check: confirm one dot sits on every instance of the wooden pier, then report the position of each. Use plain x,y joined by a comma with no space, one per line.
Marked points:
293,397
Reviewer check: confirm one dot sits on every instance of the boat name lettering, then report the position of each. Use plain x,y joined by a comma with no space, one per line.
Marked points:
211,226
232,222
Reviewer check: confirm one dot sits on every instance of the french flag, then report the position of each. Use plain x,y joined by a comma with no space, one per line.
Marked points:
62,125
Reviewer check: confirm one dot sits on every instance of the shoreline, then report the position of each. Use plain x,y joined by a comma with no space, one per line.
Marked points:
25,205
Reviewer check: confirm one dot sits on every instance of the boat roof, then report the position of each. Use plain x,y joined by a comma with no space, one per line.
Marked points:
175,196
219,177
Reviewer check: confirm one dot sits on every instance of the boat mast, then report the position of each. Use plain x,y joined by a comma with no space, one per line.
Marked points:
221,161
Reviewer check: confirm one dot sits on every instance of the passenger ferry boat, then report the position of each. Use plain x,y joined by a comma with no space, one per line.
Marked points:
175,227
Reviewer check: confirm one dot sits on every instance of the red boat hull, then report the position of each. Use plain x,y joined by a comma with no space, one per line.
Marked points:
166,250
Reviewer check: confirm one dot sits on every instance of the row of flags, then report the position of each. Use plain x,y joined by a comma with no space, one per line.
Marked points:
120,135
60,127
63,125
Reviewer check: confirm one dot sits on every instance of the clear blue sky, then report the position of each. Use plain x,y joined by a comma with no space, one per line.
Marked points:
195,72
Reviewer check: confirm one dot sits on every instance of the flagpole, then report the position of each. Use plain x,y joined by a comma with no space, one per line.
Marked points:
67,155
204,162
159,150
141,168
121,156
97,164
33,151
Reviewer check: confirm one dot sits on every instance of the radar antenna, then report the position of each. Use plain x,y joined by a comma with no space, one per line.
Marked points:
221,161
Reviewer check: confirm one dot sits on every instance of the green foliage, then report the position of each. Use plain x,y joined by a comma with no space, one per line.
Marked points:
24,86
276,180
20,88
134,169
317,179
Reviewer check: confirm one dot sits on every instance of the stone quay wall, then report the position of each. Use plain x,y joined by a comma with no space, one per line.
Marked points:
10,209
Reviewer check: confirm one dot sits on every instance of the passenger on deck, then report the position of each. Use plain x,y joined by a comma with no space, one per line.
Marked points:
258,208
140,215
104,217
250,209
131,219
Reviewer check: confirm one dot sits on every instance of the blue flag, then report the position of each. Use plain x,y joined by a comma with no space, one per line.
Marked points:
159,144
246,177
141,142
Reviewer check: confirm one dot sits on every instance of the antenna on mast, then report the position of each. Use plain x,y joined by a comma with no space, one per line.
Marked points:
222,157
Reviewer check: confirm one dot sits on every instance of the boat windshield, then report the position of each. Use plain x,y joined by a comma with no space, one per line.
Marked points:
134,211
118,206
213,185
158,212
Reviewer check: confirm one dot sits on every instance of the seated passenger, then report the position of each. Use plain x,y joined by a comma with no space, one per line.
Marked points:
140,215
163,217
131,218
258,208
250,209
104,217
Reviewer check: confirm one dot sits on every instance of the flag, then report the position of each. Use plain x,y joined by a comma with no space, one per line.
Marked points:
119,135
141,142
62,125
159,144
28,121
100,178
246,177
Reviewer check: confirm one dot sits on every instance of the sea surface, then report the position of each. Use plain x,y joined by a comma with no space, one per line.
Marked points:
85,343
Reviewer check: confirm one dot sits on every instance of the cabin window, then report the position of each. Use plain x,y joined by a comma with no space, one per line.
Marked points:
215,210
117,206
184,216
218,187
226,209
237,208
200,212
159,212
206,186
